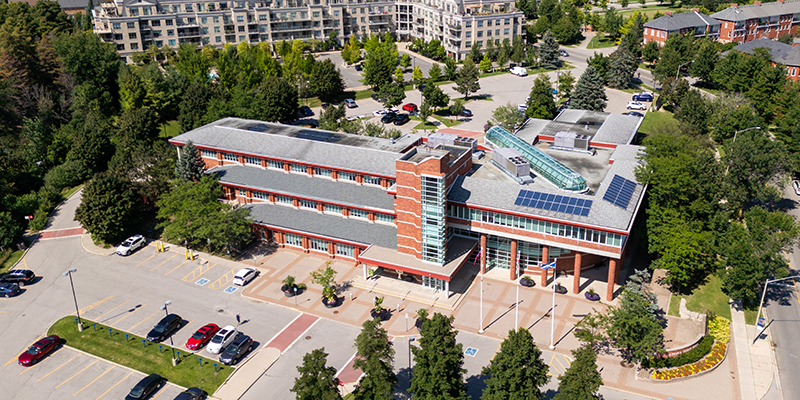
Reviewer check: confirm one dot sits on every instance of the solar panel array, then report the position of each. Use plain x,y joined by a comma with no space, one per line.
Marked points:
619,192
554,202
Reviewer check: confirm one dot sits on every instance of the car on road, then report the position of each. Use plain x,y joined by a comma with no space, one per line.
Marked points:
350,103
306,110
377,98
635,105
222,339
130,244
401,119
19,276
9,289
388,117
643,96
634,114
466,113
518,71
202,336
244,276
39,350
164,328
522,107
146,387
563,53
410,107
191,394
796,186
236,350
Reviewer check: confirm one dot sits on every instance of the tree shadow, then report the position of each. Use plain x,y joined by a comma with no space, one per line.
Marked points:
549,393
780,294
403,384
475,386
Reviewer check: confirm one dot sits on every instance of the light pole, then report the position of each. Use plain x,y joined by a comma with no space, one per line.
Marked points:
762,303
69,273
171,344
679,69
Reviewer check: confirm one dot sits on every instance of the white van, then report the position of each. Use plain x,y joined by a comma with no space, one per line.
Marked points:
519,71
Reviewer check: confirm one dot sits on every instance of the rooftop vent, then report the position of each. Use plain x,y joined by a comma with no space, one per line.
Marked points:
512,163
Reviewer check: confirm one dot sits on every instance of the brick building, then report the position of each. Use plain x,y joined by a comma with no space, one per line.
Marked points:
758,20
786,54
694,22
420,210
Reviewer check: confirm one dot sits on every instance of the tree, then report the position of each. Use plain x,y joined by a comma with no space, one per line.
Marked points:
540,103
331,117
612,22
651,52
548,52
91,144
731,112
590,330
435,73
405,61
475,53
581,380
392,95
704,60
467,79
769,84
374,357
416,75
317,381
589,93
276,100
486,64
380,63
490,52
326,80
517,50
565,83
457,108
633,325
517,370
676,54
190,165
621,68
450,68
10,230
600,63
753,160
508,117
137,125
107,208
694,110
435,97
439,369
425,111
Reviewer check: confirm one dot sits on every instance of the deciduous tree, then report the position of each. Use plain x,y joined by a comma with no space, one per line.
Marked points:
467,79
581,380
439,369
516,371
317,381
541,104
633,325
374,357
326,80
107,209
508,117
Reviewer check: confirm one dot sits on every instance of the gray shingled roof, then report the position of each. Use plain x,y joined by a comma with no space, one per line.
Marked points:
781,52
684,20
750,11
299,185
311,222
286,142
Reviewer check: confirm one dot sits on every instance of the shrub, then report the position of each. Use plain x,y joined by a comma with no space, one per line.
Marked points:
71,173
693,355
710,361
720,329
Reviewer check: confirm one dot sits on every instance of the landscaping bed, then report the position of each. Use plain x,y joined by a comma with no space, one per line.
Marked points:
708,363
144,358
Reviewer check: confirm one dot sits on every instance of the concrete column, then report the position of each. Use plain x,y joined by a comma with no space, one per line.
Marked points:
513,266
364,269
483,253
447,288
545,259
612,274
335,175
576,279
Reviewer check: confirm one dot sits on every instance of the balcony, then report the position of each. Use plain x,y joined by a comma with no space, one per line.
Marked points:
379,21
454,27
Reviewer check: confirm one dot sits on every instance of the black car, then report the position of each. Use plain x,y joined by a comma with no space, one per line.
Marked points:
634,114
18,276
306,110
9,289
388,117
642,97
401,119
466,113
563,53
238,348
146,387
191,394
164,328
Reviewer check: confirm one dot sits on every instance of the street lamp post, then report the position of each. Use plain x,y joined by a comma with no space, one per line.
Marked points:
75,298
171,344
679,69
758,315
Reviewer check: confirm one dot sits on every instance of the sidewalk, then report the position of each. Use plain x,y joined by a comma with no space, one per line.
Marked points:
755,358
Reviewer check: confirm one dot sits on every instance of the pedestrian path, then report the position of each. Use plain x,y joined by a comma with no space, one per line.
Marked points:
754,357
60,233
292,332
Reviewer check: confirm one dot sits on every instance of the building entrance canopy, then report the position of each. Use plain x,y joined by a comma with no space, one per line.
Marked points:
458,250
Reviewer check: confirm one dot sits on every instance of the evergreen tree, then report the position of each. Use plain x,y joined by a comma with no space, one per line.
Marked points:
600,64
374,357
467,79
450,68
612,22
439,369
435,73
190,165
316,381
541,104
548,52
517,370
633,325
621,68
517,50
582,379
589,93
475,54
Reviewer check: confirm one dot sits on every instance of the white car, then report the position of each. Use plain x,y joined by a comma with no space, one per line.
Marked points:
796,186
130,244
379,113
635,105
244,276
522,107
519,71
222,339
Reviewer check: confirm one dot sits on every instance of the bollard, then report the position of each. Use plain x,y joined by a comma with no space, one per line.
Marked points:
215,368
94,325
201,360
126,338
144,343
109,332
160,349
179,354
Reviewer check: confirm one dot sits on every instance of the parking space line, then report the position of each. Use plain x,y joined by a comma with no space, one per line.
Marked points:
11,360
69,361
77,373
148,259
218,284
93,381
163,389
151,316
129,314
104,314
115,385
156,267
170,271
203,268
83,310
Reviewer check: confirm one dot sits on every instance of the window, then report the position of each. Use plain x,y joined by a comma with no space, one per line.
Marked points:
159,43
294,240
372,180
505,31
230,157
117,36
497,33
116,25
356,213
332,209
241,29
170,32
480,33
134,46
347,176
299,168
318,244
121,47
497,22
469,34
218,39
241,193
315,14
480,24
275,164
386,218
239,18
204,20
262,17
252,161
283,200
322,172
131,25
508,21
171,42
344,250
242,38
260,195
308,204
468,24
209,153
216,20
205,30
188,7
168,22
216,29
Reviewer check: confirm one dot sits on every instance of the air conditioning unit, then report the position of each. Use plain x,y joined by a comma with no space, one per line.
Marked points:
512,161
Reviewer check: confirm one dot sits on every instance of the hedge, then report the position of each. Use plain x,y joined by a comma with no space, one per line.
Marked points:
693,355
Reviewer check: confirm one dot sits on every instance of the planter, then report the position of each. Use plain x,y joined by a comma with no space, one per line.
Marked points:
527,282
592,296
289,291
561,290
384,314
332,303
705,365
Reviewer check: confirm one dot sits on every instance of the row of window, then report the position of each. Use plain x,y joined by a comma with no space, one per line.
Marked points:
312,205
489,32
319,245
532,225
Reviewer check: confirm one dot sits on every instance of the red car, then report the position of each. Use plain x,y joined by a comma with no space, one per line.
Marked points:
38,350
410,107
202,336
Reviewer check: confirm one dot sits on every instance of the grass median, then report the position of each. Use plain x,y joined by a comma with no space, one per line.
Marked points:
145,358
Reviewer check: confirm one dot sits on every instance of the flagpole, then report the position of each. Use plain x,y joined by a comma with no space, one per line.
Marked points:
516,305
553,316
483,265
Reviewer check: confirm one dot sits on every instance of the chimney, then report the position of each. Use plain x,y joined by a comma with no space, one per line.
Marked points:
795,45
668,13
696,10
734,5
758,3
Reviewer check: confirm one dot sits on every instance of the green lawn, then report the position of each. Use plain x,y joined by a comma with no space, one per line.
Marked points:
655,118
599,42
708,297
70,191
8,258
146,359
488,74
650,11
170,129
447,120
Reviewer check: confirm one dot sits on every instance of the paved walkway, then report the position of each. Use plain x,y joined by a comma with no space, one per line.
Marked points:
755,357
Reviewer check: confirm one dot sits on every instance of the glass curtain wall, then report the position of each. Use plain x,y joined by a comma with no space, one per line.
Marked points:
434,223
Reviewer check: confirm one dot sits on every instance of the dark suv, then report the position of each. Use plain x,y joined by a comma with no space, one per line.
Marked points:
642,97
18,276
146,387
164,328
236,350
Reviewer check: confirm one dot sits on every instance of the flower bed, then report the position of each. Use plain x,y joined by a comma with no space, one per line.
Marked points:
708,363
691,356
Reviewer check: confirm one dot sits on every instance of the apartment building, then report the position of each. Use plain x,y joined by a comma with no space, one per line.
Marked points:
781,53
758,20
694,22
420,211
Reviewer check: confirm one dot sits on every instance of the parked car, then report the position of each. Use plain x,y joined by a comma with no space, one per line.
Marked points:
244,276
9,289
19,276
350,103
236,350
39,350
146,387
635,105
222,339
379,113
796,186
164,328
388,117
377,98
563,53
401,119
130,244
466,113
519,71
304,111
634,114
358,67
202,336
643,96
522,107
191,394
410,107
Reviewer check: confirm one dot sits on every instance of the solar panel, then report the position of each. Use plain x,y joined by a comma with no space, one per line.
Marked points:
319,136
619,192
257,128
553,202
